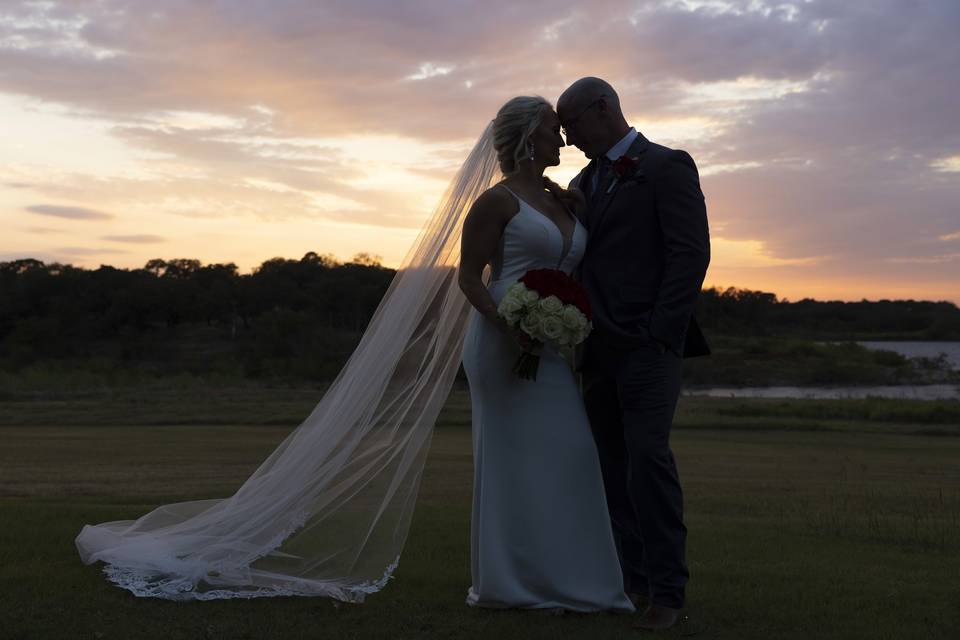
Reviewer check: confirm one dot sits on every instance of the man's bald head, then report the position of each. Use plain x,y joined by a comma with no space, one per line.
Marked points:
585,91
591,116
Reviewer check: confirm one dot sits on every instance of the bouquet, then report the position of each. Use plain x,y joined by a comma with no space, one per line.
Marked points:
548,306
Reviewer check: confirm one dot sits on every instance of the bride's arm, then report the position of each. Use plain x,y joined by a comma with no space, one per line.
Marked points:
482,229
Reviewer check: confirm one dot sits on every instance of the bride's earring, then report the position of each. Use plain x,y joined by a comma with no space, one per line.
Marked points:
530,151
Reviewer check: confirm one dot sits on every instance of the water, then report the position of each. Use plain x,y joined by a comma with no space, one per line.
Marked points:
913,349
911,392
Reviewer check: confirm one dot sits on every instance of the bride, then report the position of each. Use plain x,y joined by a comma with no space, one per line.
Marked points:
327,513
540,535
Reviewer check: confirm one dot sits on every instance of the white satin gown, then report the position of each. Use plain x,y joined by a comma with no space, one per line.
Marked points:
540,531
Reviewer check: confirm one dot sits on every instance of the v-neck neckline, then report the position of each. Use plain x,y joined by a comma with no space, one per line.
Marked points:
567,241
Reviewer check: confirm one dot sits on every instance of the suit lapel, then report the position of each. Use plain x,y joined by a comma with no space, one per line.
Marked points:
613,184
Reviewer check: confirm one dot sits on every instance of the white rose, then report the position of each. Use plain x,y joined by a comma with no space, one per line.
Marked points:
510,305
551,327
572,318
586,331
530,323
515,291
530,297
551,305
579,334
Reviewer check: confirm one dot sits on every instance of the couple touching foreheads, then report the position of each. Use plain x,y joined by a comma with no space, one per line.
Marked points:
555,525
576,501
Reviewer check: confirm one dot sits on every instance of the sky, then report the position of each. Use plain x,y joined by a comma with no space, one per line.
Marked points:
826,132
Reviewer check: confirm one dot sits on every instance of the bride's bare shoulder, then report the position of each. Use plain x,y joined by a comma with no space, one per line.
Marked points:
496,203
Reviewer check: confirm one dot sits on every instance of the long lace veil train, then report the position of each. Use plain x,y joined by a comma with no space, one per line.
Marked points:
328,512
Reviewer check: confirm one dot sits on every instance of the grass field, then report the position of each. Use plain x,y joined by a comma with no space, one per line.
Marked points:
810,519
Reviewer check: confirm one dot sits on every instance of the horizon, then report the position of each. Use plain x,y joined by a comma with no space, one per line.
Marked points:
824,133
376,262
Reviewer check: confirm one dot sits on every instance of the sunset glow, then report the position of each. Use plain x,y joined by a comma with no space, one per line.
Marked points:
825,132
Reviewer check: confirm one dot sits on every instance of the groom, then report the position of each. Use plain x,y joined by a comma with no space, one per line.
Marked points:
646,258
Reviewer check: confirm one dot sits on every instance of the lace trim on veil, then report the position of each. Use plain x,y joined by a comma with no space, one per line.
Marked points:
152,584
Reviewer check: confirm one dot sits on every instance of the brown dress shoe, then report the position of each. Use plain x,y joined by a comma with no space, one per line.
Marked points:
657,618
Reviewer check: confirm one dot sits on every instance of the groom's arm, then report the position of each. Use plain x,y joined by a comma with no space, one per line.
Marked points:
683,224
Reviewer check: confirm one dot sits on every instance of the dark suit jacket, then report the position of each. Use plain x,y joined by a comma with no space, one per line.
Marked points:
648,251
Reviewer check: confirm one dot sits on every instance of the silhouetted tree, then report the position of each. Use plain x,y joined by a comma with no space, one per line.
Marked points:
302,318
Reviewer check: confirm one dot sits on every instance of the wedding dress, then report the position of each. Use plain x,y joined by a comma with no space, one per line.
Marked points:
328,512
540,531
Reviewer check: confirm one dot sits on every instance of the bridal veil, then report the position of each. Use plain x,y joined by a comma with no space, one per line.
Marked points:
327,513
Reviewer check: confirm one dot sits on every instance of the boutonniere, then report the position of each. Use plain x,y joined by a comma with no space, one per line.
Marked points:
626,169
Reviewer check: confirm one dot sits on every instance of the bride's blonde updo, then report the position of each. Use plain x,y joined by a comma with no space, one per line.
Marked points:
515,123
512,128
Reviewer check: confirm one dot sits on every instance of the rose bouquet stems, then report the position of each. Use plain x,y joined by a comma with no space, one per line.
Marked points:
550,307
526,365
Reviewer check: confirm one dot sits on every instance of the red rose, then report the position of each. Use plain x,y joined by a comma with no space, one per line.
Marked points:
553,282
625,166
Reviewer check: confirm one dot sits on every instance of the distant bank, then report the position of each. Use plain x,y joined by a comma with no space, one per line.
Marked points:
950,351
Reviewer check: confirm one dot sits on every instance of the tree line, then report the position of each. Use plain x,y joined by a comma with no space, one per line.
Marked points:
302,318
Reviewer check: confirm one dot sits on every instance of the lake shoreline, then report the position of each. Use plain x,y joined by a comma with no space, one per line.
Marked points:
899,392
949,352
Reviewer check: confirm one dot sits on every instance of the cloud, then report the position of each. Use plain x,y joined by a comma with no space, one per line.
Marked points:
73,213
846,165
429,70
947,165
87,251
825,131
949,257
136,238
43,230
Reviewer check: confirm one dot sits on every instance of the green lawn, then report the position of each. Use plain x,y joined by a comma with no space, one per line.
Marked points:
825,522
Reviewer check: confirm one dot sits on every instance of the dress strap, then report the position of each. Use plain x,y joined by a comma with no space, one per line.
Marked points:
510,191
